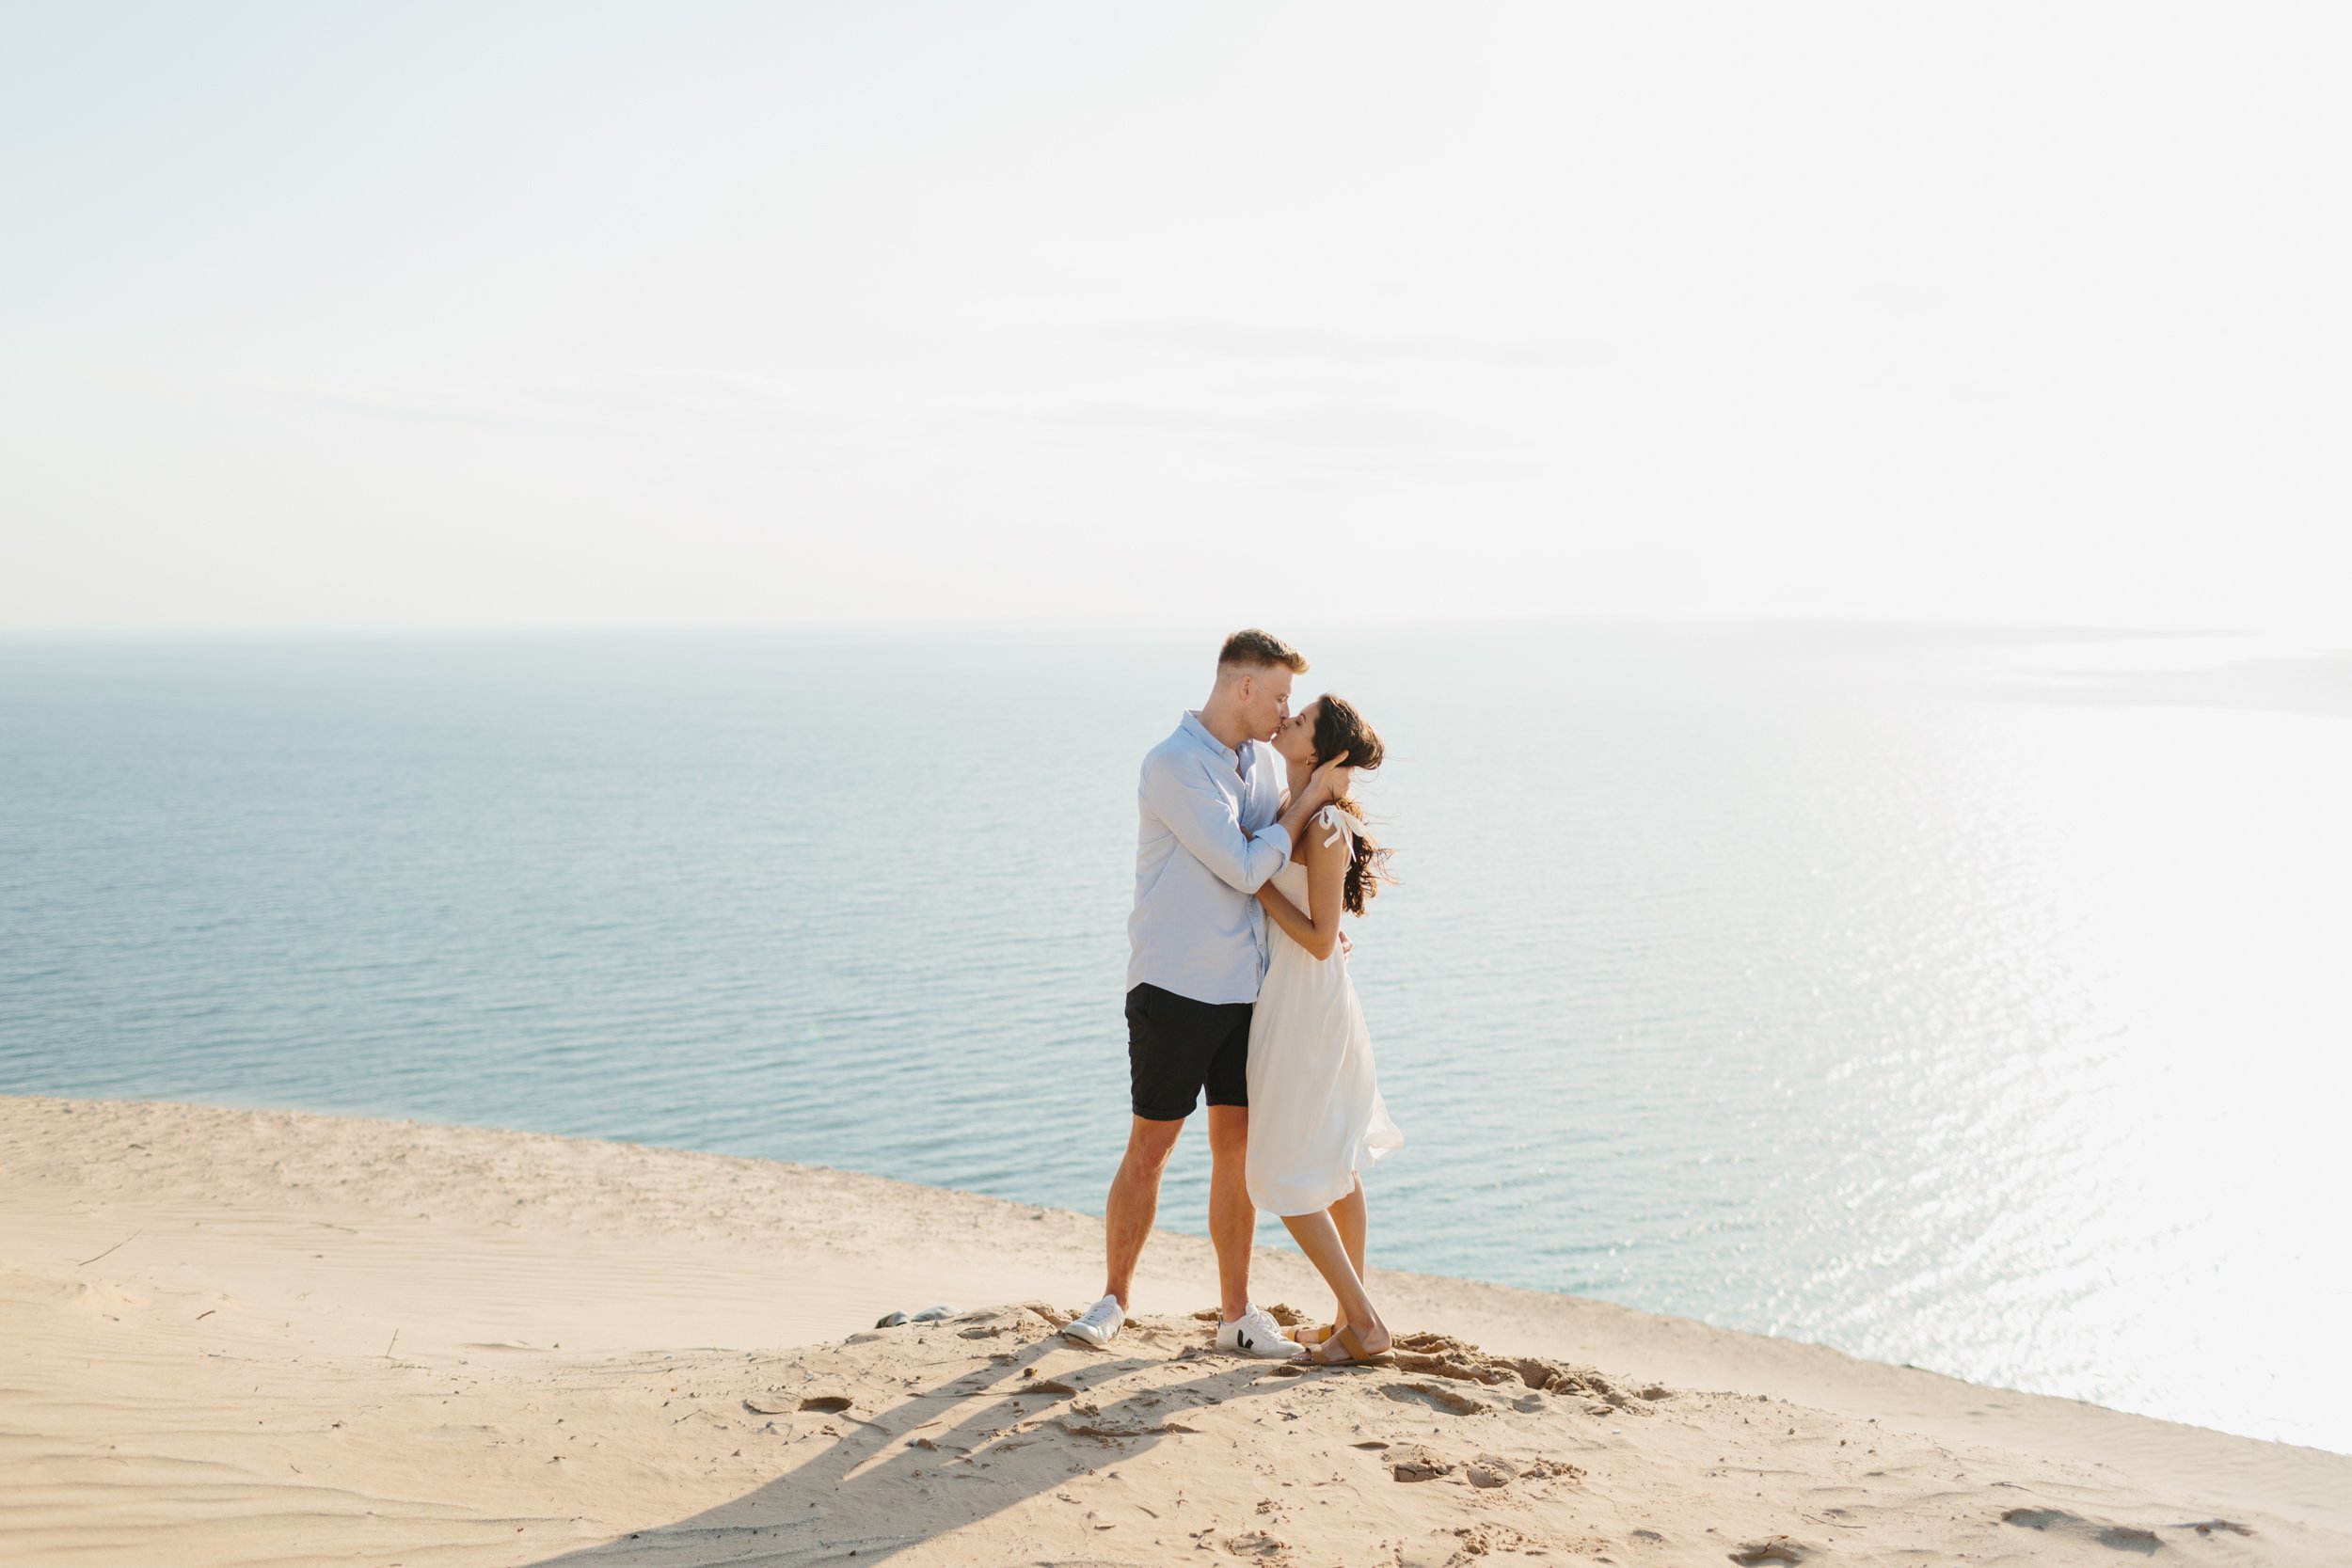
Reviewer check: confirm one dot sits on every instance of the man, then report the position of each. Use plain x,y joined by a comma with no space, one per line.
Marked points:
1213,828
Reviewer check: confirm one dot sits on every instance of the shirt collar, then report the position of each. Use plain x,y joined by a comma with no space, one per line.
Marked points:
1194,727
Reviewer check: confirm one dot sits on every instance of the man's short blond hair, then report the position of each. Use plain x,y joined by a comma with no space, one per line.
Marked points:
1260,650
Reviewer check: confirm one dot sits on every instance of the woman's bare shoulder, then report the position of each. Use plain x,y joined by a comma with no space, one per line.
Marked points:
1329,833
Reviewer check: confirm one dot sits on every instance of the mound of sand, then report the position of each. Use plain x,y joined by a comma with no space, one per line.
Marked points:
247,1337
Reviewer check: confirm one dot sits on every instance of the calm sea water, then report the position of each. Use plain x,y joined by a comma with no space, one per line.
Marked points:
1976,1000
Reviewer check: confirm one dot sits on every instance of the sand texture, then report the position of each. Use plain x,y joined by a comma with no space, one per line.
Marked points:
232,1337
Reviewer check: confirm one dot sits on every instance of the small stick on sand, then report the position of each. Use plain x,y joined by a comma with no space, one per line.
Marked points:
390,1343
125,1242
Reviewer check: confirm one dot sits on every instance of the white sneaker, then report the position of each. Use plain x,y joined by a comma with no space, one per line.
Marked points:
1255,1334
1103,1320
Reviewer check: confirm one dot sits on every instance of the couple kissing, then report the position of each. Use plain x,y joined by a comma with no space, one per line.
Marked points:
1249,850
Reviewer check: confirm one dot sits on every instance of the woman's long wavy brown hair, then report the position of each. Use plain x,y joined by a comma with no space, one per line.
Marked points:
1340,728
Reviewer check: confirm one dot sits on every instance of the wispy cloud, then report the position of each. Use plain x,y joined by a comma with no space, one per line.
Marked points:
1911,299
1322,426
620,406
1318,345
2318,683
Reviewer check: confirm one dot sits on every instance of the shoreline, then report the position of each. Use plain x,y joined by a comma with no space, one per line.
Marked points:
1269,1243
149,1248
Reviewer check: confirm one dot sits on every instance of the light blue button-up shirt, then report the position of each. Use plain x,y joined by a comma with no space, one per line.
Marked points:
1208,836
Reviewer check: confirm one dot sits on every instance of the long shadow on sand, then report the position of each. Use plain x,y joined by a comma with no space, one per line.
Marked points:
842,1502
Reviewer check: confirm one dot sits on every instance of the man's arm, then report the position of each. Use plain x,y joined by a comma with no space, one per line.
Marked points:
1206,823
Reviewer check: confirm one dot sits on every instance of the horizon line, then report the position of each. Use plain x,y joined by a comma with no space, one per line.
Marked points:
1133,629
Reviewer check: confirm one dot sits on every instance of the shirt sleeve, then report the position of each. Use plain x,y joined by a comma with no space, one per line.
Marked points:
1208,824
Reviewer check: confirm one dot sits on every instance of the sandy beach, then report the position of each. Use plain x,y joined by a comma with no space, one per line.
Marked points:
232,1337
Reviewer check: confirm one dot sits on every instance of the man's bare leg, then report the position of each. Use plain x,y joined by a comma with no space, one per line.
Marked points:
1232,1220
1135,1201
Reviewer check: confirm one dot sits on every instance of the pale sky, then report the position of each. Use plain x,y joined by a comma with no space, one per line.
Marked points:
506,316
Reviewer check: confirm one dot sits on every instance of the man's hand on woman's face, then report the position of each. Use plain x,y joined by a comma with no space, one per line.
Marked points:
1333,777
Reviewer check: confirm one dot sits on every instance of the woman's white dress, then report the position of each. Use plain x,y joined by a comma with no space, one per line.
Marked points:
1316,1113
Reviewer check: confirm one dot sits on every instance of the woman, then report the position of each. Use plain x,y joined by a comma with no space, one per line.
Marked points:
1316,1120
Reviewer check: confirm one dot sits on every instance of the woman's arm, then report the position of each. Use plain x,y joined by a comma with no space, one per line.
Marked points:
1327,854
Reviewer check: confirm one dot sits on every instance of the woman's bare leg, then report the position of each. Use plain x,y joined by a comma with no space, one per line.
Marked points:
1319,1238
1348,1214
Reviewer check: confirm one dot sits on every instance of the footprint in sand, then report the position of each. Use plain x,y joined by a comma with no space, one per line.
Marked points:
2206,1527
1780,1548
1257,1544
1436,1395
2123,1538
1489,1471
1416,1462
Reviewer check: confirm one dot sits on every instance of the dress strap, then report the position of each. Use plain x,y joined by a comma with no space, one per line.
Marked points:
1340,823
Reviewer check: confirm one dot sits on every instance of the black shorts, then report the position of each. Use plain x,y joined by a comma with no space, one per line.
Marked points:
1176,1047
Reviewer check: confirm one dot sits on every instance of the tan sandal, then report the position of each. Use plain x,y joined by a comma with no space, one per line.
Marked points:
1315,1336
1353,1344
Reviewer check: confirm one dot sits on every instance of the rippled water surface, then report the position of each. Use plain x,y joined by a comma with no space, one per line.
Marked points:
1979,1001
